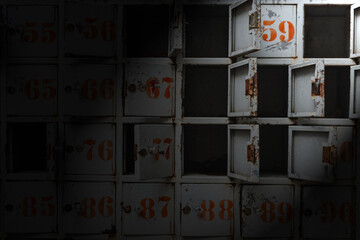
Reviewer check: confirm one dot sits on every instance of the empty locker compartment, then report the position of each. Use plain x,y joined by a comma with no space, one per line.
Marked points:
146,30
30,147
205,149
206,30
128,149
205,91
272,91
326,27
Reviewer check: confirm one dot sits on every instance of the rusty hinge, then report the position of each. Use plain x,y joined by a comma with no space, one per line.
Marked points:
329,154
253,20
317,88
250,86
251,153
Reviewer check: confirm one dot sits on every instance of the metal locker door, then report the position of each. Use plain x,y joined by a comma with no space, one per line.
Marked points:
267,211
307,89
354,31
354,110
32,31
328,212
242,88
31,90
30,207
346,152
90,149
207,210
89,207
148,209
312,153
278,24
89,90
149,89
243,152
175,30
244,27
90,29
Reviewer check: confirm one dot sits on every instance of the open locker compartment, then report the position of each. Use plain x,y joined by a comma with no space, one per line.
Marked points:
306,97
242,88
243,152
354,110
244,27
354,30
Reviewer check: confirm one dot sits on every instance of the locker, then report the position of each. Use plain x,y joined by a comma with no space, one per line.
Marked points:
150,89
207,210
89,90
30,207
327,212
32,31
90,29
243,152
354,32
267,211
242,88
90,149
31,90
148,209
354,111
89,207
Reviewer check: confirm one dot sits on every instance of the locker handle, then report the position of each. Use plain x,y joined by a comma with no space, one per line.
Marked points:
68,208
127,208
131,88
186,210
247,211
11,90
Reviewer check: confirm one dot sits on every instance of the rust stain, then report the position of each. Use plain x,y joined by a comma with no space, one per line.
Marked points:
317,88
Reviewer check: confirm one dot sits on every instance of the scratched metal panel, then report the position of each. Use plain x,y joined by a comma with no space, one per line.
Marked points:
31,90
243,152
244,27
278,24
354,111
89,149
89,90
154,146
89,207
354,30
149,89
148,208
207,210
90,29
30,207
328,212
346,148
267,211
32,31
306,152
242,88
307,89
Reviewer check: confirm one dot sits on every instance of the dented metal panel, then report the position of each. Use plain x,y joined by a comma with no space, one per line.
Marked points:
307,89
243,152
154,147
31,90
242,88
90,29
150,89
207,210
267,211
327,212
148,208
354,106
312,153
89,90
90,149
278,31
354,31
30,207
244,27
32,31
89,207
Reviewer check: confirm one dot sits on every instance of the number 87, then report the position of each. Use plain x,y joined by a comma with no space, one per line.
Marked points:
273,33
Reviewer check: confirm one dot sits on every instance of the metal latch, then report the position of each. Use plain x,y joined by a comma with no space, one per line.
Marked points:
250,86
329,154
251,153
253,20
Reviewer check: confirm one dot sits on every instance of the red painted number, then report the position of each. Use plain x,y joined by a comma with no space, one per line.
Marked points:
91,90
270,211
329,212
31,35
44,88
148,205
107,30
153,87
105,149
226,206
207,213
47,208
270,33
167,152
104,206
208,207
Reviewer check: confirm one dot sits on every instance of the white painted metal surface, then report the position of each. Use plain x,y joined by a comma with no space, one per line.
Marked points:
354,110
154,147
345,145
149,89
267,211
89,90
242,88
148,208
354,31
207,210
32,90
90,149
243,152
307,89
